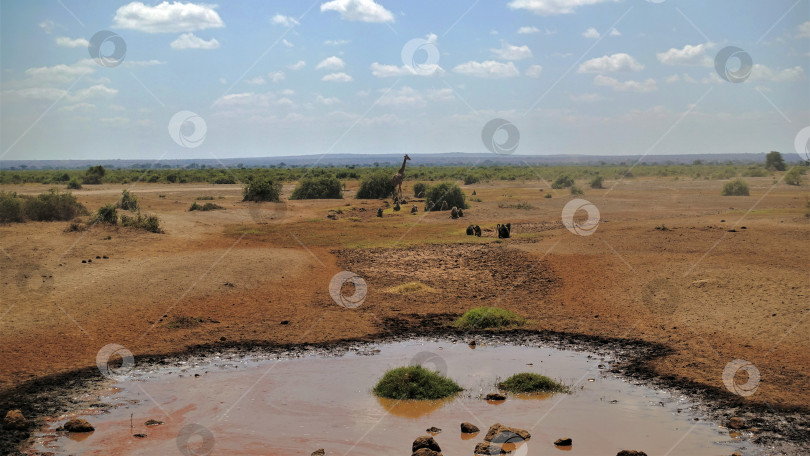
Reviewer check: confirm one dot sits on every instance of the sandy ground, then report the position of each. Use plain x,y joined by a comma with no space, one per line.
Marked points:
710,294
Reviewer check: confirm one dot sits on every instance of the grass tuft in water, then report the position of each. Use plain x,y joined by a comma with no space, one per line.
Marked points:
527,382
415,382
488,317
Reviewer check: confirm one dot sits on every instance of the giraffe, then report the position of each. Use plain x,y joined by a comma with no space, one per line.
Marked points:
396,179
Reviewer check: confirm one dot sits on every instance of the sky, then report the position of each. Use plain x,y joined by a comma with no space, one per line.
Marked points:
168,80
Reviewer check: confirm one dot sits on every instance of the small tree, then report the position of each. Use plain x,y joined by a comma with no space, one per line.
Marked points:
737,187
562,182
597,181
261,190
446,191
94,174
320,187
774,161
793,177
107,214
74,184
377,185
128,201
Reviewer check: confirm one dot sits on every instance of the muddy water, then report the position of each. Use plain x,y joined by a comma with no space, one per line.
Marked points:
295,406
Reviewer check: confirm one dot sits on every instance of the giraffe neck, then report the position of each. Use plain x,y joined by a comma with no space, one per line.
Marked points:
402,169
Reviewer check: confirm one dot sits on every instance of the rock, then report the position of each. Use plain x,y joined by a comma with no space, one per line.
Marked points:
631,453
140,436
433,430
426,452
151,422
78,425
499,433
15,421
564,442
319,452
425,441
736,423
488,448
495,397
469,428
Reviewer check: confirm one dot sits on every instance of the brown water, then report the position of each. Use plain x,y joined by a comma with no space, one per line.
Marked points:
295,406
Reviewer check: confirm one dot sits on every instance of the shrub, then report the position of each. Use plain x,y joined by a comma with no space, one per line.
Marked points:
107,214
793,177
94,174
470,179
419,189
204,207
562,181
525,205
377,185
597,181
737,187
527,382
128,201
548,195
199,198
415,382
262,190
576,190
326,186
147,222
775,161
74,184
10,208
488,317
446,191
53,205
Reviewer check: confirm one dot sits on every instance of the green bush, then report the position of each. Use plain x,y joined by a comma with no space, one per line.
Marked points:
415,382
597,182
562,181
376,185
548,195
107,214
775,161
74,184
326,186
11,209
576,190
446,191
201,198
793,177
51,206
147,222
488,317
94,175
262,190
470,179
128,201
737,187
527,382
204,207
419,189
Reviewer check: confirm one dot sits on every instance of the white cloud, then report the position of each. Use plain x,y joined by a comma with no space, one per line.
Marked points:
142,63
410,97
276,76
488,69
591,33
359,10
114,121
673,78
61,73
511,52
387,71
587,98
77,106
192,41
244,102
764,73
47,26
96,91
527,30
175,17
614,32
534,71
287,43
331,63
610,64
297,65
286,21
337,77
327,101
258,80
336,42
552,7
625,86
71,42
689,55
804,30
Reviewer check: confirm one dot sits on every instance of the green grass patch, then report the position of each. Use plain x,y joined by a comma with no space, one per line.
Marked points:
204,198
524,205
415,382
527,382
488,317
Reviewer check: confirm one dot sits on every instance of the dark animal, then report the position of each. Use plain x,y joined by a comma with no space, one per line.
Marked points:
470,230
414,210
396,207
473,193
477,230
445,206
460,212
504,231
379,212
454,212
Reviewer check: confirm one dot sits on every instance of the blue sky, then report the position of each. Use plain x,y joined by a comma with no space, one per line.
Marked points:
269,78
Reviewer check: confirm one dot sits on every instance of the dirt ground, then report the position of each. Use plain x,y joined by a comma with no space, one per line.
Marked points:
726,279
